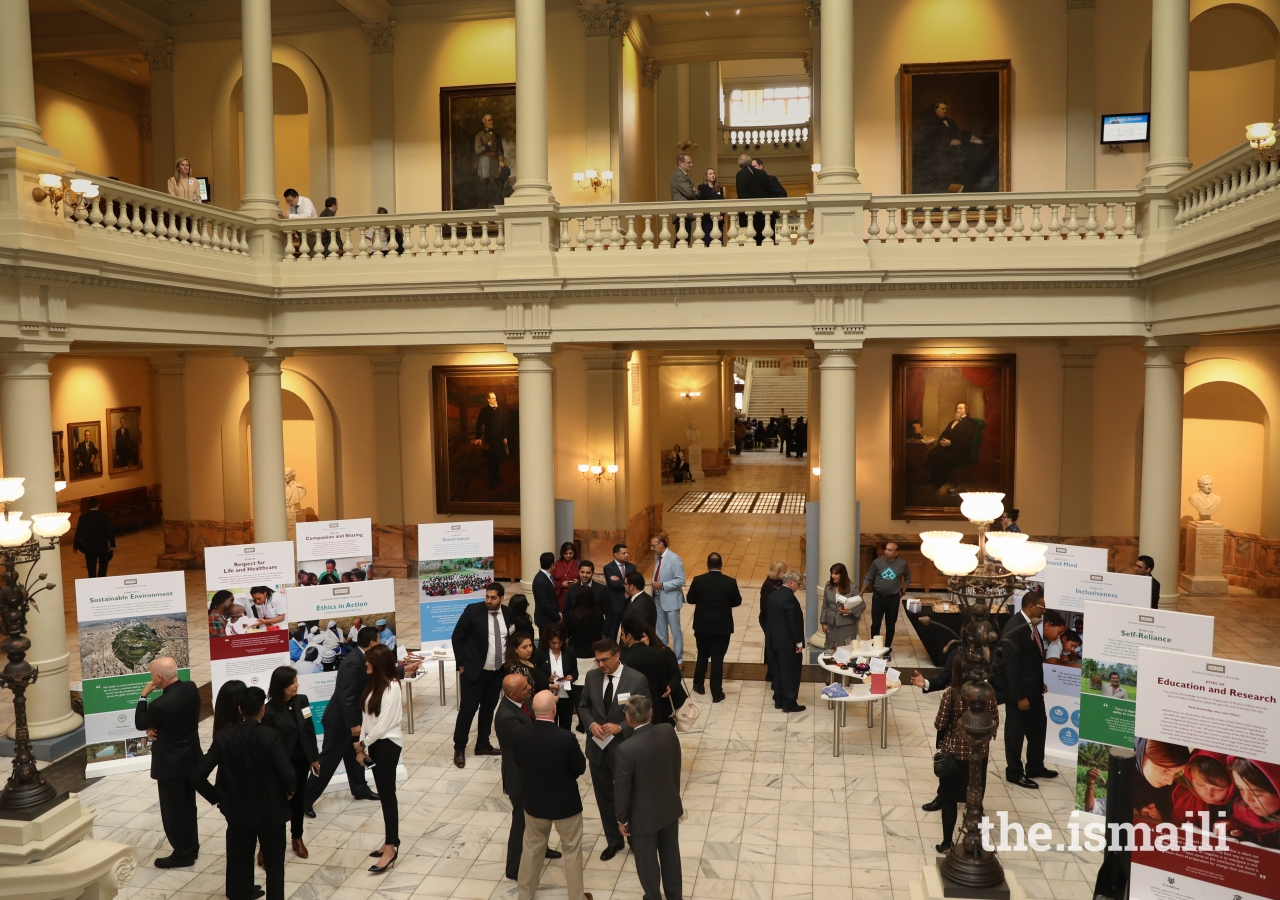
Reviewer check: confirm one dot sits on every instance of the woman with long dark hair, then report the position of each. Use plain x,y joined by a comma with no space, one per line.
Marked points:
519,661
565,572
226,706
585,622
561,666
841,609
289,713
381,739
522,622
953,782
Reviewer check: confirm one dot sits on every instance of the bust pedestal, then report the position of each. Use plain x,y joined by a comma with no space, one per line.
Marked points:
1202,573
930,887
694,456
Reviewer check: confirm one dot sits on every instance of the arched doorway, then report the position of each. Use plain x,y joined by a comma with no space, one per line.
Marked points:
1224,434
1233,77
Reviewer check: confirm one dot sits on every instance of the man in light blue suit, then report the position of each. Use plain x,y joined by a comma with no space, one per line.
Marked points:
668,593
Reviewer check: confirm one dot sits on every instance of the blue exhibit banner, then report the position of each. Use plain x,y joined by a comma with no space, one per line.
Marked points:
455,562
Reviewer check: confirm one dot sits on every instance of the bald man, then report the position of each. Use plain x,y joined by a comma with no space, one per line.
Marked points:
511,718
176,757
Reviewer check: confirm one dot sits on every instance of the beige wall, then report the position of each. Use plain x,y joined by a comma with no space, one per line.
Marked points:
675,412
1118,386
96,139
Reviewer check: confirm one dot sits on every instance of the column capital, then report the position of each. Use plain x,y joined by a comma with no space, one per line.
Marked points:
651,72
159,54
1169,351
813,11
603,360
531,353
606,19
380,35
263,360
837,354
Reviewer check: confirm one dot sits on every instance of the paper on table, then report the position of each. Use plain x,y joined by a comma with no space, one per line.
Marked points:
602,743
842,655
894,674
878,665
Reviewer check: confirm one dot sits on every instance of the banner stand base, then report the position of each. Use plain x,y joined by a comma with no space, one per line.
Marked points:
117,766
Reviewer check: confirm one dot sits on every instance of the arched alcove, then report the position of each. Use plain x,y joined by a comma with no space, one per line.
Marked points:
228,147
1233,77
1225,435
292,142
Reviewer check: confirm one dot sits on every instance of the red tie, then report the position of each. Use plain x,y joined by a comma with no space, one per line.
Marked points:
1035,632
657,569
527,711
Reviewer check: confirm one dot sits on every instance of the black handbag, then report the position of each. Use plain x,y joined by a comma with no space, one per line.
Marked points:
945,765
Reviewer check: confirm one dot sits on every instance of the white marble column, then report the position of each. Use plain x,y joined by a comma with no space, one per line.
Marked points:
1170,89
537,456
382,113
838,377
266,421
259,108
17,83
532,184
159,56
838,175
1082,124
814,67
26,421
1159,515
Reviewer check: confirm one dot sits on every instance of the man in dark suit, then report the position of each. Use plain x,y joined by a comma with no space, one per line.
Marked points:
551,798
512,715
587,582
647,796
95,539
491,433
546,608
640,605
784,432
255,781
659,668
752,184
1021,670
784,642
173,718
953,447
606,687
615,579
126,448
714,597
479,646
342,721
1147,566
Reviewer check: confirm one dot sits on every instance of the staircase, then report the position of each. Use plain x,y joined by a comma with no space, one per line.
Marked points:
769,390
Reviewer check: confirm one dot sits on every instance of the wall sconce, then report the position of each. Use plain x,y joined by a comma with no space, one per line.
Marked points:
55,190
1262,137
817,471
593,179
691,395
599,471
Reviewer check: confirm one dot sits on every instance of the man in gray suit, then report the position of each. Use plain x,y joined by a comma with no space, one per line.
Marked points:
607,687
682,191
647,796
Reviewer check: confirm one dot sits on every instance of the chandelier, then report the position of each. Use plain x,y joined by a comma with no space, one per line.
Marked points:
982,578
22,542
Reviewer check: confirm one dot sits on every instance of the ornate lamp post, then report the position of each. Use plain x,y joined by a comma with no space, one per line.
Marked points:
22,541
983,578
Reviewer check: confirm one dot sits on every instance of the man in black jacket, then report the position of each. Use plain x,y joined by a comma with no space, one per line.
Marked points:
174,717
752,184
342,721
587,582
646,785
95,539
255,781
714,596
1021,673
546,606
658,666
550,799
640,605
784,642
479,647
513,715
615,579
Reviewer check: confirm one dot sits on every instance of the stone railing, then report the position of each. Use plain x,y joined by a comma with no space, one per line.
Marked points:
348,238
150,215
1009,217
780,137
1232,178
686,226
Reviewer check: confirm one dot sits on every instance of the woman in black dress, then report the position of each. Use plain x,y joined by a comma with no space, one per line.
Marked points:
710,190
289,713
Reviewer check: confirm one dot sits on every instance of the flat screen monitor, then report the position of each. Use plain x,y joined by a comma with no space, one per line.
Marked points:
1126,128
206,192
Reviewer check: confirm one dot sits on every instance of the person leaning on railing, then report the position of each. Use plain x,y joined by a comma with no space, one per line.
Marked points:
181,184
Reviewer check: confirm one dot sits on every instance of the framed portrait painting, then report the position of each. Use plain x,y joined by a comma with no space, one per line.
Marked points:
477,439
59,457
955,126
86,450
124,439
477,145
953,431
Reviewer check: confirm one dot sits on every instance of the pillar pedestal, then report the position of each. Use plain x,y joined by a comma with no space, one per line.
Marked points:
1202,572
930,887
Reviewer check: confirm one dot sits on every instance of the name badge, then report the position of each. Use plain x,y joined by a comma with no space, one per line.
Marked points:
306,712
622,698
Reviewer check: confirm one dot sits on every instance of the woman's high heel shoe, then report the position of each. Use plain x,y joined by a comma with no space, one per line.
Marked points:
378,870
943,848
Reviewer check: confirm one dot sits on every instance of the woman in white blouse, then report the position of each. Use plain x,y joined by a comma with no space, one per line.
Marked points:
552,657
381,739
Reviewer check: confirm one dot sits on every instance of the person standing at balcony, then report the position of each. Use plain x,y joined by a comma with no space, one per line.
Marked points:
752,184
330,210
299,207
182,185
682,191
710,189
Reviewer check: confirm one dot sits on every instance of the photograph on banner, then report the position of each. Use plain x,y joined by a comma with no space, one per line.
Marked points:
1109,681
455,562
1072,556
324,621
1062,627
248,634
126,622
338,551
1207,753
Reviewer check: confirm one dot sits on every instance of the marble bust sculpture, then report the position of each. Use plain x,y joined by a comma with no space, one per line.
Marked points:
293,492
1205,501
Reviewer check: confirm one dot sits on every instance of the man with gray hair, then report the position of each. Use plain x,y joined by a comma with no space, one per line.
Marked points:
784,642
647,798
174,718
